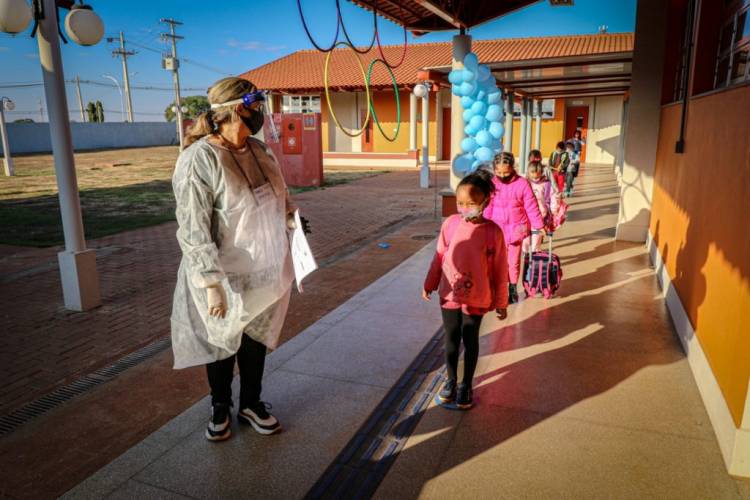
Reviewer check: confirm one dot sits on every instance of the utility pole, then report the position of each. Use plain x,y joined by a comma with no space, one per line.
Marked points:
80,99
173,64
121,52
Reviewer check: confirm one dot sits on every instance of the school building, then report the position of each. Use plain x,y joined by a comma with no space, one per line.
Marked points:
667,106
593,70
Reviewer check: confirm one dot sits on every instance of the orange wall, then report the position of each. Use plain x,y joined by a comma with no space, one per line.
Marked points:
699,220
552,131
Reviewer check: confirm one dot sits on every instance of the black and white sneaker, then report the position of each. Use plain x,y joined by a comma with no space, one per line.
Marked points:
258,417
464,397
219,427
448,393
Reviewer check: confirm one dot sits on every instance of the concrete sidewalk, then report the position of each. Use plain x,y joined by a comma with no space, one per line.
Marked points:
586,395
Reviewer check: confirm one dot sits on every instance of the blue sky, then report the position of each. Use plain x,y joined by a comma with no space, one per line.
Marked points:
229,37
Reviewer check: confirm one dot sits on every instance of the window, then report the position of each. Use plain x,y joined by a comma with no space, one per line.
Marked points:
301,104
734,45
548,109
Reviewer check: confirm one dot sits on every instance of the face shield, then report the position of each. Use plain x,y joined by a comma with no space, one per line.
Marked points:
258,96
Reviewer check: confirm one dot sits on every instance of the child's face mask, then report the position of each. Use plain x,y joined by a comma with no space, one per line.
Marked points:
473,212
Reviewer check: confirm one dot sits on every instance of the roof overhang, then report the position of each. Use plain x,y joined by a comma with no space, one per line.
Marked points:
421,16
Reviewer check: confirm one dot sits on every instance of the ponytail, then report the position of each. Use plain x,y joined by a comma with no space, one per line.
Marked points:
202,126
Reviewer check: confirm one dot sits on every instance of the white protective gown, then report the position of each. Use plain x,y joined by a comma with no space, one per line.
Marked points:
232,233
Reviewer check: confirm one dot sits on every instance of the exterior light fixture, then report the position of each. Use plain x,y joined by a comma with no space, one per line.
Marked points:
15,16
83,25
421,90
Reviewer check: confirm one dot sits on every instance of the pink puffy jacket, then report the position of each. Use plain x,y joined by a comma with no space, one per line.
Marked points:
514,208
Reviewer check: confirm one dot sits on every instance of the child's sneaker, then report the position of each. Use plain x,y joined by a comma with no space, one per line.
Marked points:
258,417
448,393
219,428
464,397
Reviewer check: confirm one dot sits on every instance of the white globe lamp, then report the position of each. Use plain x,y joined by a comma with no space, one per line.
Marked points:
420,90
9,105
15,16
83,26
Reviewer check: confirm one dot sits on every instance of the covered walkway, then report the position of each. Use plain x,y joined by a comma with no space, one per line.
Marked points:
585,395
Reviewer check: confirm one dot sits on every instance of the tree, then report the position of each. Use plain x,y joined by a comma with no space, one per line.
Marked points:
195,104
99,112
91,112
23,120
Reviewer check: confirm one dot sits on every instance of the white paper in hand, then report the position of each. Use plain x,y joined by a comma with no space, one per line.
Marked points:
302,257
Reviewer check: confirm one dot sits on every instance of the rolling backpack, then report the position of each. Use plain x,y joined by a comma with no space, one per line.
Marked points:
542,272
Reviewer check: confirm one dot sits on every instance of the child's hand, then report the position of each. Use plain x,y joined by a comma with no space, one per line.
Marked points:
502,313
426,295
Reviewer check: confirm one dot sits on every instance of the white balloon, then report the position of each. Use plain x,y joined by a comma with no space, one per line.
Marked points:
83,26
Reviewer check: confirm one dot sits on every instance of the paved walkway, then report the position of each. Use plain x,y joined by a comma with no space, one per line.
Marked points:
44,346
587,395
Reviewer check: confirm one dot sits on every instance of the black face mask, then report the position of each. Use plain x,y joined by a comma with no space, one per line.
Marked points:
254,122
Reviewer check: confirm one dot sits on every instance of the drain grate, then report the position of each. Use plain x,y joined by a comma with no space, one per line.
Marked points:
14,420
362,465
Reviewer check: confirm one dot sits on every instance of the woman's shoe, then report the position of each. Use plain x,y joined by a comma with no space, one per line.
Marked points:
257,416
464,397
448,393
219,427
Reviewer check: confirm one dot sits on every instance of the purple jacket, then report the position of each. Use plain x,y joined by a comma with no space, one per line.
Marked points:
514,208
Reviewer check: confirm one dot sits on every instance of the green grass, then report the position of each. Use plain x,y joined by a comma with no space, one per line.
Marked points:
30,213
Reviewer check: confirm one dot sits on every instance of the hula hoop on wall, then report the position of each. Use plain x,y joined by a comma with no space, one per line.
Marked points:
309,35
359,132
374,28
380,47
398,101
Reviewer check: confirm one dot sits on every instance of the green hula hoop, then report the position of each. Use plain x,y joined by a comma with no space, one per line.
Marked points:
398,101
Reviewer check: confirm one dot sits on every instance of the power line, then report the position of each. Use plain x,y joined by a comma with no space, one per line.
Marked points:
102,84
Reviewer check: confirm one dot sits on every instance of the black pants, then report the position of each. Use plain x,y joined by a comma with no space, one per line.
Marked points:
570,177
251,359
460,326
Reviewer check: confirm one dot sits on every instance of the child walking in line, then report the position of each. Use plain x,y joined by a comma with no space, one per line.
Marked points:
572,171
470,272
547,200
558,163
513,207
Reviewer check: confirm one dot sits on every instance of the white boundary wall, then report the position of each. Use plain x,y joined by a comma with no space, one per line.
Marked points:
35,138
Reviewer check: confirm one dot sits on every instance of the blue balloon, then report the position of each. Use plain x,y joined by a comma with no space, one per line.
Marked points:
456,90
479,108
467,89
481,95
463,163
468,75
468,114
475,165
456,77
497,145
483,73
469,145
471,61
469,130
496,130
478,122
483,154
494,112
494,97
483,138
466,101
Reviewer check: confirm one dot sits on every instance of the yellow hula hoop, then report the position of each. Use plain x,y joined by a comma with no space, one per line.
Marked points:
359,132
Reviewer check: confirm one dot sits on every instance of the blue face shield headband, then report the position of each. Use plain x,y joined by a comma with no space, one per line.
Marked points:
246,100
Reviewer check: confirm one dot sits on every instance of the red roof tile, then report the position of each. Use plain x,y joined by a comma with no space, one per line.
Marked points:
303,70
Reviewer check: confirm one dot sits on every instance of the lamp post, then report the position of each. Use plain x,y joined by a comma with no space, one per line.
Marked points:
119,89
422,90
77,264
6,103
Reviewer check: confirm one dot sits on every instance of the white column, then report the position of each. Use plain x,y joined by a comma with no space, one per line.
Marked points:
424,172
538,126
508,139
77,265
461,47
527,144
521,159
644,115
412,121
7,158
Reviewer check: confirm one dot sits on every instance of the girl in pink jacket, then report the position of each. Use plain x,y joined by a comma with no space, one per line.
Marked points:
514,208
470,272
548,199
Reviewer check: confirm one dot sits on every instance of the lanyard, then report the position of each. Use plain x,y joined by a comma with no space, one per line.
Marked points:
247,178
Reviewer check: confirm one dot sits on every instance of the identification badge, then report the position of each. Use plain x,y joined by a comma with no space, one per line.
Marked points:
264,194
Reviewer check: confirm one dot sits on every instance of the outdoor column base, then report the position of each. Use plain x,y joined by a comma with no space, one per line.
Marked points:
449,202
80,281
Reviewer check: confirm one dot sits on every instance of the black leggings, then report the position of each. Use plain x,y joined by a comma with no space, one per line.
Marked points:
461,326
251,359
